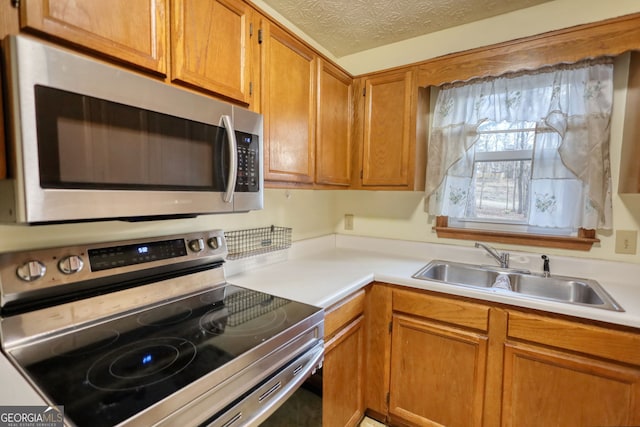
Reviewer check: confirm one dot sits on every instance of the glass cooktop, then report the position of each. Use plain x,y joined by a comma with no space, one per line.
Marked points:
109,372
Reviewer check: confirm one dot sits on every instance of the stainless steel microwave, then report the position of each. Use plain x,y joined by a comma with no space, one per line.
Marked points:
91,141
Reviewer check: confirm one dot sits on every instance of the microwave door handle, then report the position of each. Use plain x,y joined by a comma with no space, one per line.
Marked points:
233,159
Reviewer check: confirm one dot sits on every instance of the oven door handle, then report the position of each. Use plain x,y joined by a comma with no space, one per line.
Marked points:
233,159
257,407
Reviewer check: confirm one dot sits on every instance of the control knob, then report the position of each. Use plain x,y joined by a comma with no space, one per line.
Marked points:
196,245
31,270
71,264
214,242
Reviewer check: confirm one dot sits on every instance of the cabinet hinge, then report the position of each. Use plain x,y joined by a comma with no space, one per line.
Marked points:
15,3
251,29
260,36
388,398
250,88
390,327
361,174
364,91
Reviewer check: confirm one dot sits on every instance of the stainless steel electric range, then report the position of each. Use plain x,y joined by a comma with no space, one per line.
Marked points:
148,332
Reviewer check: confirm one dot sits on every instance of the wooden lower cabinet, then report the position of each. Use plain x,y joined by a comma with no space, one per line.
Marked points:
342,402
543,387
343,367
563,373
438,361
437,373
452,361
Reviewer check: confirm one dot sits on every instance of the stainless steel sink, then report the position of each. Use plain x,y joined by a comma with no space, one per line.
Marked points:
571,290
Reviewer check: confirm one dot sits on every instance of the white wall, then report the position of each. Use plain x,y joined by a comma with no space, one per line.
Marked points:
309,213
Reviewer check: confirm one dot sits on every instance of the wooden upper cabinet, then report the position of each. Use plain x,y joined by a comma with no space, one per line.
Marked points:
131,31
388,156
629,178
333,136
211,46
289,94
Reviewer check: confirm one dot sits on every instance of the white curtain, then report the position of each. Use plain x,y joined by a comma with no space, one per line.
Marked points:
571,107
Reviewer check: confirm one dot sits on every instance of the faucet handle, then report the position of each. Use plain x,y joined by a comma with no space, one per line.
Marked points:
546,271
504,259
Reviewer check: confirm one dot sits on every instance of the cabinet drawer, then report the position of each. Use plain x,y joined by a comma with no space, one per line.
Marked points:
462,313
589,339
342,312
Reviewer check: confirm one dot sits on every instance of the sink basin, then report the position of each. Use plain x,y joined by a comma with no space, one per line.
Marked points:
571,290
458,274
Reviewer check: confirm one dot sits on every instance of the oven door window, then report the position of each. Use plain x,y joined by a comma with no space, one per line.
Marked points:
86,142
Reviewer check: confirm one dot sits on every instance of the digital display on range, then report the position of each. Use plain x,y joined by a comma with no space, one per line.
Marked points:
121,256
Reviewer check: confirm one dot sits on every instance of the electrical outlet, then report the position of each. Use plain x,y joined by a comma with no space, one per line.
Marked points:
348,221
626,241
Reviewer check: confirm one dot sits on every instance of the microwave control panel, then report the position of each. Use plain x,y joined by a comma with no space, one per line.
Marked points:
248,162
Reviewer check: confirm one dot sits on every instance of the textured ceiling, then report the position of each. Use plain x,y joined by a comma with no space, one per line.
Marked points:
344,27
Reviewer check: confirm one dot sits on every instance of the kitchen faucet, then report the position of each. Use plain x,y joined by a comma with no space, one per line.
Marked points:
502,258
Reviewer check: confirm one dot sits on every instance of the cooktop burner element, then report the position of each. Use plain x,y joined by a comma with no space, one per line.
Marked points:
141,364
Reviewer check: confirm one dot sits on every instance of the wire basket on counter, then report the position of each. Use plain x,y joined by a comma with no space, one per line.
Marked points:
256,241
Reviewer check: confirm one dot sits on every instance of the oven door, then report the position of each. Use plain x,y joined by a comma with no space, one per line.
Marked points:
92,141
255,407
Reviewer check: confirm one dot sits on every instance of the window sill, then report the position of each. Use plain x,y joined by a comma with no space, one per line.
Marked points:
583,242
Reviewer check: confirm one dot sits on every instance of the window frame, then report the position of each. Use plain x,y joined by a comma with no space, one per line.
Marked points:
583,241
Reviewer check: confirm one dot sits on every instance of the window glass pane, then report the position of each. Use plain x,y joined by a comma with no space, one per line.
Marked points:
500,191
505,136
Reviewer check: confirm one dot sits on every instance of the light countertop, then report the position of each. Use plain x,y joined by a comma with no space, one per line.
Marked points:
324,270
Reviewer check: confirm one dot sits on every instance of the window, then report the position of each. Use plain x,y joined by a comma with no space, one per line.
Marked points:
526,152
500,185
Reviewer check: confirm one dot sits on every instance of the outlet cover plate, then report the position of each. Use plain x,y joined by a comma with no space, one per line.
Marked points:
348,221
626,241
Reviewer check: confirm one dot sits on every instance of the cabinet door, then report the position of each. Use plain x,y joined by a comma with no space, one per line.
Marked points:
388,146
333,137
288,90
132,31
211,46
437,373
549,388
342,390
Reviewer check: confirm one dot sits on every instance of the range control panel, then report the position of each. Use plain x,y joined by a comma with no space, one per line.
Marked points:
29,272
